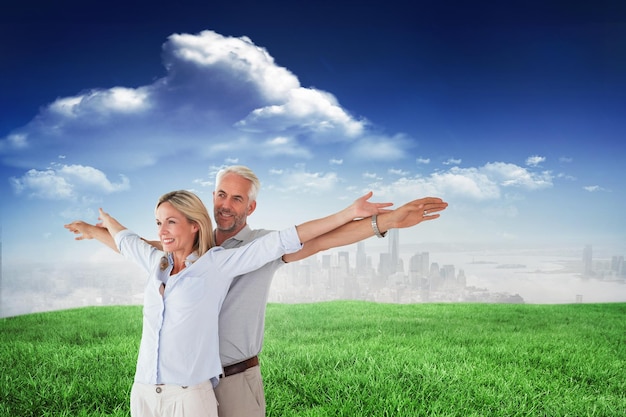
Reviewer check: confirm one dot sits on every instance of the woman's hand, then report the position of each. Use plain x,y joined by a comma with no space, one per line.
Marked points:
363,208
110,223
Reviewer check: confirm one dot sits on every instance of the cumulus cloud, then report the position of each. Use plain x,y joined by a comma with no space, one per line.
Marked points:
535,160
64,182
487,182
220,95
452,161
424,161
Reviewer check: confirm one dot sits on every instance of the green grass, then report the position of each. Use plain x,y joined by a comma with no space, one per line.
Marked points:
347,359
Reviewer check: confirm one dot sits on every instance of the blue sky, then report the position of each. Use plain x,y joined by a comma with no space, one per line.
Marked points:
513,112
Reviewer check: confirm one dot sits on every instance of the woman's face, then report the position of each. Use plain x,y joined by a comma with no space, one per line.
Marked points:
176,233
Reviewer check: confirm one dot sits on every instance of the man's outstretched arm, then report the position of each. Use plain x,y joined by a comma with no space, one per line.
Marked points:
408,215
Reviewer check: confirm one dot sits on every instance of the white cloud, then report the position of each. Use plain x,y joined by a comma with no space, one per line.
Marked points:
535,160
475,184
284,146
511,175
566,176
381,148
63,182
15,141
424,161
594,188
334,161
305,111
301,181
117,100
399,172
235,61
371,176
220,96
452,161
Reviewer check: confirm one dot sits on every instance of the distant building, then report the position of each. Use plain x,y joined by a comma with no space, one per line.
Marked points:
394,250
361,258
617,266
587,261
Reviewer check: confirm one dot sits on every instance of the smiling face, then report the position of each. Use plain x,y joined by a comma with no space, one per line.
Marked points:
231,204
176,232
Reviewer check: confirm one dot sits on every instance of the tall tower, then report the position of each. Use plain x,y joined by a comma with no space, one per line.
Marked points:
361,258
587,261
394,249
343,259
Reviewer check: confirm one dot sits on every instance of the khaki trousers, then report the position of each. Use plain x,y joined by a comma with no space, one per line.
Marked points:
241,395
172,400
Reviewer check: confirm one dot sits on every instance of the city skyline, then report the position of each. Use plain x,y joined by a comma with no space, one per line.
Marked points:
360,271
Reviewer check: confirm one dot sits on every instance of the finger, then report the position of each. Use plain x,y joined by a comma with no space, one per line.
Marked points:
366,196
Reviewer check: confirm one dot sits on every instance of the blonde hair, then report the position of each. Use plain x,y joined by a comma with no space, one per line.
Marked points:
244,172
195,211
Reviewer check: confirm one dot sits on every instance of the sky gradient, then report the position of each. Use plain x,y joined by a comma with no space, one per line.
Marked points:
513,113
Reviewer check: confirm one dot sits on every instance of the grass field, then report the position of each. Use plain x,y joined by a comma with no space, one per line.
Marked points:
347,359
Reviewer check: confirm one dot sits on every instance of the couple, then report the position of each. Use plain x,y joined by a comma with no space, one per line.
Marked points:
178,363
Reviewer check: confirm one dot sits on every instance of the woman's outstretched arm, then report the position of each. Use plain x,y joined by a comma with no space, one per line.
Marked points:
359,209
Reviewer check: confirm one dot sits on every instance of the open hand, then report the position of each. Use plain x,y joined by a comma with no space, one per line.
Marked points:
363,208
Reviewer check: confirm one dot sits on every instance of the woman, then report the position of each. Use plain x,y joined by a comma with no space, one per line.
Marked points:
178,363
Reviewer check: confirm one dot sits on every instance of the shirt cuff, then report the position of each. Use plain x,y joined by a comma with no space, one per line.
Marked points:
119,236
290,240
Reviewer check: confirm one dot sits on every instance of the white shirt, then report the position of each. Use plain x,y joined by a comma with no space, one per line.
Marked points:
179,342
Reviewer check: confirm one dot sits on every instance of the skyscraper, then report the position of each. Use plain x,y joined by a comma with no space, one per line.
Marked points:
394,249
587,261
361,258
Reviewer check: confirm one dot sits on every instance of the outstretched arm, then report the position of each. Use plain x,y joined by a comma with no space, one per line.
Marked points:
359,209
102,232
408,215
91,231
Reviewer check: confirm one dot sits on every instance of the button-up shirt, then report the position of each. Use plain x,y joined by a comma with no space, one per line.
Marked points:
179,342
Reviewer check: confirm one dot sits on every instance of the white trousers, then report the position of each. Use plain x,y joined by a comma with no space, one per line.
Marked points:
173,401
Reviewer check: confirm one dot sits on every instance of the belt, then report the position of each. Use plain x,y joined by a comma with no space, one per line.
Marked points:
239,367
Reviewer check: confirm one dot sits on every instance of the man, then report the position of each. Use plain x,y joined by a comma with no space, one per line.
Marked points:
242,317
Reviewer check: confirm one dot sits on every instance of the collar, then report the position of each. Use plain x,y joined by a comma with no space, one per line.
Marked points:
188,261
244,235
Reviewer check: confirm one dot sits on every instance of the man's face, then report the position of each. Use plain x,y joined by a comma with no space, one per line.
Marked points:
231,205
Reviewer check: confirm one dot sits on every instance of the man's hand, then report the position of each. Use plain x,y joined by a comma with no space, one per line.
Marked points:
413,212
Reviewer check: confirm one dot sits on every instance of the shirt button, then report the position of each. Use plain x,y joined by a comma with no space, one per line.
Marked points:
158,390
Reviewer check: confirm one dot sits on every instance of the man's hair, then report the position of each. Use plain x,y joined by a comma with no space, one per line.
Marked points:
242,171
195,211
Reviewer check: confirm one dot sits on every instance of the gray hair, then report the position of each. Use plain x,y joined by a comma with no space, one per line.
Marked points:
244,172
